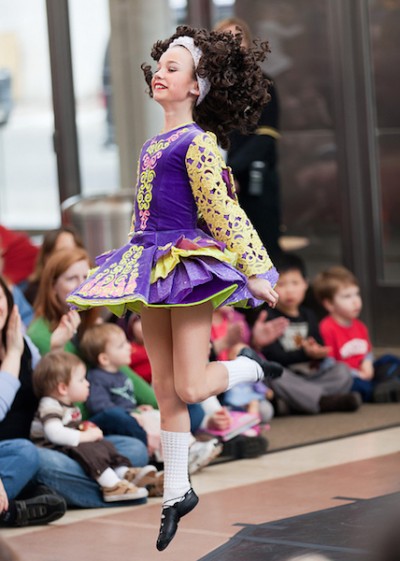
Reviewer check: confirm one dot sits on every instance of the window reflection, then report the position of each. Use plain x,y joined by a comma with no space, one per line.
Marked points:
98,152
385,26
28,175
300,64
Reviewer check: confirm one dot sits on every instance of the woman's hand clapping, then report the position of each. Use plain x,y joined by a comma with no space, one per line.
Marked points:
14,345
65,330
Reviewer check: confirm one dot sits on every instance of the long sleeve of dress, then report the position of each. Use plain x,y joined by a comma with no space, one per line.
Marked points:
213,189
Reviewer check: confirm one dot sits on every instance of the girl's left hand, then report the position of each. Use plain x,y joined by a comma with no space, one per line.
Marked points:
262,290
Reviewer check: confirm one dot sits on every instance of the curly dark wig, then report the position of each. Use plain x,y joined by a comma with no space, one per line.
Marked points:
239,90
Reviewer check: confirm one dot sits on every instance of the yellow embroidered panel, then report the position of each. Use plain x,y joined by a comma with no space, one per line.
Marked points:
210,180
133,219
116,280
147,174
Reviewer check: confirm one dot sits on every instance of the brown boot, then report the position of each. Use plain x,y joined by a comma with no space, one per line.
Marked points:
345,402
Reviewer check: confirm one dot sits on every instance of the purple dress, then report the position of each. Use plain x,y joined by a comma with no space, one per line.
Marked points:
191,242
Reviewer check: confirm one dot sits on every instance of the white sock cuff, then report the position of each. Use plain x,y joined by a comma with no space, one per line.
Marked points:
242,369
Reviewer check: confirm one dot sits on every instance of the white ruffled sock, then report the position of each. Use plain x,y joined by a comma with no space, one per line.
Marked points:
242,369
175,449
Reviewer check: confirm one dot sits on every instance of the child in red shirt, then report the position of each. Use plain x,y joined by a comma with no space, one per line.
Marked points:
347,337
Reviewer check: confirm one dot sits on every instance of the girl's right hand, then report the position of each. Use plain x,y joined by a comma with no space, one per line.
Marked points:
65,330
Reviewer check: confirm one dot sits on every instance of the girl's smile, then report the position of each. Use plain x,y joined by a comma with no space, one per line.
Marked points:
174,80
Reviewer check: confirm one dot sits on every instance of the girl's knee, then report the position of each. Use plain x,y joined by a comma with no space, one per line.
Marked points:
189,394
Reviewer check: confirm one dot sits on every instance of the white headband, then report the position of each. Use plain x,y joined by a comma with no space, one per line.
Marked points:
196,52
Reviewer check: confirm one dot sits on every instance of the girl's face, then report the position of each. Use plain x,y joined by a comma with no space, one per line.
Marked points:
3,309
71,279
78,387
174,81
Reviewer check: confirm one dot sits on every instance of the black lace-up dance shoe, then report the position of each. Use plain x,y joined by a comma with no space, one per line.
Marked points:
271,370
171,515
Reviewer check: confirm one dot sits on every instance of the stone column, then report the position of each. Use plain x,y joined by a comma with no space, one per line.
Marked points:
135,26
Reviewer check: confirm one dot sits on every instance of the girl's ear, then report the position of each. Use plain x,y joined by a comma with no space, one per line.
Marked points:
102,359
195,89
328,305
62,388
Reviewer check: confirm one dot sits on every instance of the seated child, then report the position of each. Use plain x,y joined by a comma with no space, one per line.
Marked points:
59,381
107,349
311,382
347,337
139,360
229,334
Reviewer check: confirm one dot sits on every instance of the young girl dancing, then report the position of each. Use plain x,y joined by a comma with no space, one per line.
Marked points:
192,247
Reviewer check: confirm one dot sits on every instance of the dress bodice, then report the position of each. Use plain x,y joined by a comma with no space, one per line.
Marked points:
183,183
182,177
163,199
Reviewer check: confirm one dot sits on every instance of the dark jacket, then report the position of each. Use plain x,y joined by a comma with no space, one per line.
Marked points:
17,422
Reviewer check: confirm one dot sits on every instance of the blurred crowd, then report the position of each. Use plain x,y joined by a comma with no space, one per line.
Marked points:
79,423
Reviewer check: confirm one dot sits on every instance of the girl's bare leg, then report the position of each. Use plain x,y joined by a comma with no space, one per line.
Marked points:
179,498
195,378
157,334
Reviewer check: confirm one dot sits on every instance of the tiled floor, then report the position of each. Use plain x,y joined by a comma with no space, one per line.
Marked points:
275,487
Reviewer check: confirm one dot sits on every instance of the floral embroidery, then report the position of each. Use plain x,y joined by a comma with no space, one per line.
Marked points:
145,185
213,190
117,280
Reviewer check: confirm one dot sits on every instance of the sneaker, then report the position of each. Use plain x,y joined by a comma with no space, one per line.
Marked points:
202,453
243,446
39,510
155,484
123,491
138,475
346,402
148,477
387,392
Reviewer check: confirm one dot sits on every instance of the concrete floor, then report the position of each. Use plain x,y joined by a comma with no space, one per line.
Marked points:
274,507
